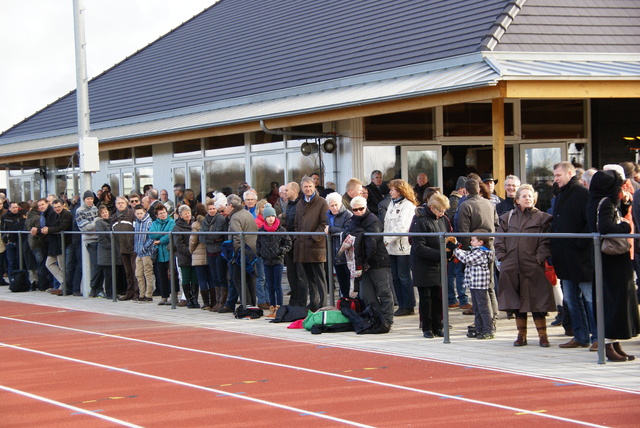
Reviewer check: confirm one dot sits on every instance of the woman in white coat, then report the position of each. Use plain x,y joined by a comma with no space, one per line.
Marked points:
398,220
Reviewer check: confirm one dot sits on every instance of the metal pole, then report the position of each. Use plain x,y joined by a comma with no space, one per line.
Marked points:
243,271
172,271
114,293
444,288
332,297
63,268
82,97
597,258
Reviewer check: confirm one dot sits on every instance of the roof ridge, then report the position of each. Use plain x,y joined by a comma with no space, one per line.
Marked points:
499,28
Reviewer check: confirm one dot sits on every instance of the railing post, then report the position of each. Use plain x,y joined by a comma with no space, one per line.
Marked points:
330,283
597,259
114,293
444,287
243,272
172,271
63,268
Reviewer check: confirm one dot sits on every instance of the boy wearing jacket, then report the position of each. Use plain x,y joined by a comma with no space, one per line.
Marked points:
143,247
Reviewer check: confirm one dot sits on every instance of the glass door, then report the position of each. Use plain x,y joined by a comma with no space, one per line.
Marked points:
189,174
422,159
537,161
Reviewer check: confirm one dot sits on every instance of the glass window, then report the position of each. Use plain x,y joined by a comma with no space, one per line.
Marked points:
15,188
539,163
264,170
144,154
406,125
299,165
474,120
195,181
145,176
419,161
383,158
223,173
120,156
127,183
27,190
224,145
544,119
114,182
264,141
37,189
179,176
187,148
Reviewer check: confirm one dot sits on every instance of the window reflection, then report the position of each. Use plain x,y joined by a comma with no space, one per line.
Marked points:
383,158
223,173
539,164
264,170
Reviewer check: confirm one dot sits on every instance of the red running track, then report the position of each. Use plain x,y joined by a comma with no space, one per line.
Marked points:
74,368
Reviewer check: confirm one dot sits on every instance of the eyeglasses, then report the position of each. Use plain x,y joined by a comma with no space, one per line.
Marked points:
134,201
357,210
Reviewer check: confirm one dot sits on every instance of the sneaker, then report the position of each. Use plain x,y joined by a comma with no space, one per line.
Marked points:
472,335
101,295
403,312
135,299
428,334
149,299
225,310
485,336
77,294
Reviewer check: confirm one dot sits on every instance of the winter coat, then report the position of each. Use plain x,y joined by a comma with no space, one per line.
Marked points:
311,216
523,285
454,200
572,258
181,242
166,225
122,221
398,220
477,269
104,243
476,212
241,220
507,204
621,318
376,195
273,247
33,220
217,223
370,251
425,250
142,243
14,223
198,249
336,225
58,223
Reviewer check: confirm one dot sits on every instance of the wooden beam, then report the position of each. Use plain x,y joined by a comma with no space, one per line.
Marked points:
497,119
573,89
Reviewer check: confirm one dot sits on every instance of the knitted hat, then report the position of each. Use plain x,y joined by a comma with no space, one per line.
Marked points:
268,211
461,181
88,194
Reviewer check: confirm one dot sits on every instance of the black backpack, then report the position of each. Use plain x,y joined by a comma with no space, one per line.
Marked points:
19,281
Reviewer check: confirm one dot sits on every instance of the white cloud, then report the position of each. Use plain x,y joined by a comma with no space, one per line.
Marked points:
37,44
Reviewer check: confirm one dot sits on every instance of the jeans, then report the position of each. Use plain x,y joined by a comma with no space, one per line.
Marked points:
218,270
273,274
401,272
482,311
205,280
97,277
578,300
261,290
455,282
13,258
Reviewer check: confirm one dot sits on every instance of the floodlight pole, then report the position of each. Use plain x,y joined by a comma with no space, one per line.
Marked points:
88,147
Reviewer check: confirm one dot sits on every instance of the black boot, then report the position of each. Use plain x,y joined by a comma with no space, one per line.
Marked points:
186,289
194,296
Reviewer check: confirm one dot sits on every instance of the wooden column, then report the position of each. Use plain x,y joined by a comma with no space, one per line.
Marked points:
499,171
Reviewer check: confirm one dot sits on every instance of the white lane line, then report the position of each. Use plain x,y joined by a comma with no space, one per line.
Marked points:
370,381
67,406
189,385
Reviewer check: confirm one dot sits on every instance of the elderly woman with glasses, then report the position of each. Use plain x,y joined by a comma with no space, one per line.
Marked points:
425,262
372,259
337,217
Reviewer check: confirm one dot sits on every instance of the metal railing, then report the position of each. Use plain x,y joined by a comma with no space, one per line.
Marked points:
595,237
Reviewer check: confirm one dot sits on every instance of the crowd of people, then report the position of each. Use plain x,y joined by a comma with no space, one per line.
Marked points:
485,274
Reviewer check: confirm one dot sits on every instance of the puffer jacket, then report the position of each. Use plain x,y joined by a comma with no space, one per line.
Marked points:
398,220
181,242
198,249
273,247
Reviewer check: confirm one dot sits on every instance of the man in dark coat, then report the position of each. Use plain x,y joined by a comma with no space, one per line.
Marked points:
511,184
123,221
311,250
295,272
573,258
377,191
59,219
422,183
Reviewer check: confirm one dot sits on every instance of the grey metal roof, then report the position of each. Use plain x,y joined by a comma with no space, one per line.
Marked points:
574,26
243,47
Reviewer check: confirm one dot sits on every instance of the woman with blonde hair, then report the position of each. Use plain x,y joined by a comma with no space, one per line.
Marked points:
398,220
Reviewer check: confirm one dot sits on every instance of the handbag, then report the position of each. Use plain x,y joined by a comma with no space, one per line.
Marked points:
612,246
550,273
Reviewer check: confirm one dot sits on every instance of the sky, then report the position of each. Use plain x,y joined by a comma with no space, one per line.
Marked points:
37,47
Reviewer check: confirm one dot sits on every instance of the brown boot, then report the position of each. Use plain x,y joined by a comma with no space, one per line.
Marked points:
612,355
618,348
224,293
215,305
521,323
206,299
541,326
